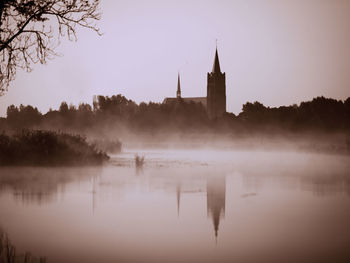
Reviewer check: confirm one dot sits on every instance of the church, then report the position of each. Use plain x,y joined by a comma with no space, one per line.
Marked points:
215,101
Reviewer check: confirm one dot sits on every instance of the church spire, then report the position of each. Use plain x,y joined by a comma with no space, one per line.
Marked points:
216,66
178,92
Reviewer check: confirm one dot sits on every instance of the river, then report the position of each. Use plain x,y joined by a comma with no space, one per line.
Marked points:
183,206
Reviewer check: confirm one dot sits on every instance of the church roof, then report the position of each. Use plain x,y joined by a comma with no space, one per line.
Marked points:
170,100
216,65
202,100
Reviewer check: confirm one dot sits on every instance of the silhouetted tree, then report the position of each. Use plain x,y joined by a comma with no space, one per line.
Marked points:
23,117
321,113
117,113
253,113
30,29
117,106
63,108
347,114
84,115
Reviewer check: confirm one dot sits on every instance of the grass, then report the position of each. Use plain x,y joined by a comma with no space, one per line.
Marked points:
9,254
48,148
108,146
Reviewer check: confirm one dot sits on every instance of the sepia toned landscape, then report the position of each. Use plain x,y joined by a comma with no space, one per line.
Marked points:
174,131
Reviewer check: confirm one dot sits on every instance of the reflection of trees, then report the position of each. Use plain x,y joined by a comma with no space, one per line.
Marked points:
41,185
319,176
323,185
9,254
216,194
319,184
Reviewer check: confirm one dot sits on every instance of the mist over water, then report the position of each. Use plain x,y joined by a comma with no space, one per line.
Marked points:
183,206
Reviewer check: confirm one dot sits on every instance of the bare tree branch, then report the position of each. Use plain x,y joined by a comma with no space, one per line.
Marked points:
30,31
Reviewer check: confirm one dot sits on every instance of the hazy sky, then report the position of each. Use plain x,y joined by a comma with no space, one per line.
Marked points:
278,52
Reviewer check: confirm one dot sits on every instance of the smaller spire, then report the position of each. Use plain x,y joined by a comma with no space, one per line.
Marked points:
178,92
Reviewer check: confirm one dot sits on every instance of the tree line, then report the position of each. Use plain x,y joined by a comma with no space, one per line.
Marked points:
118,113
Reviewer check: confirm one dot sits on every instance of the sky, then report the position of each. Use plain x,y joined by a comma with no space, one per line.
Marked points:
277,52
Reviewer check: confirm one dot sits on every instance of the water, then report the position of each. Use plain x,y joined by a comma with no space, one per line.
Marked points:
183,206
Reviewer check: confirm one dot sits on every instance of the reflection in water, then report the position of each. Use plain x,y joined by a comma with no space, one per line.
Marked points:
9,253
327,184
93,193
42,185
178,197
271,202
138,170
216,194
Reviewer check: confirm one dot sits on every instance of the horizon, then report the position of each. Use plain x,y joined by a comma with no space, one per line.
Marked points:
274,53
138,103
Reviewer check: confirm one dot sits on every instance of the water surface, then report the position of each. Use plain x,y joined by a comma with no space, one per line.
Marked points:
183,206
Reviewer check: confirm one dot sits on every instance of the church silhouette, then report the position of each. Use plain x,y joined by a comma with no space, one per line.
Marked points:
215,101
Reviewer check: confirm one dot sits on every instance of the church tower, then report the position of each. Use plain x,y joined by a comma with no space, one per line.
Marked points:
178,92
216,90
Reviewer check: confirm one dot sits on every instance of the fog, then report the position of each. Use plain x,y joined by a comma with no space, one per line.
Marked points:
311,142
267,185
320,125
183,205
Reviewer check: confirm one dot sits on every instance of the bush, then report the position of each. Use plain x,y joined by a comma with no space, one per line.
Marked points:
108,146
47,148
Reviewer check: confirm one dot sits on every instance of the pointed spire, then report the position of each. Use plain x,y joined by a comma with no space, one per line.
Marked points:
178,92
216,66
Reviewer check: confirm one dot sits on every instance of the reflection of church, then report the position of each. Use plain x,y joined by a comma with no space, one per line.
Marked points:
216,195
215,101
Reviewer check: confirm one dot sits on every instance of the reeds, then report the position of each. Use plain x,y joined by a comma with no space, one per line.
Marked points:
9,254
139,161
48,148
108,146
